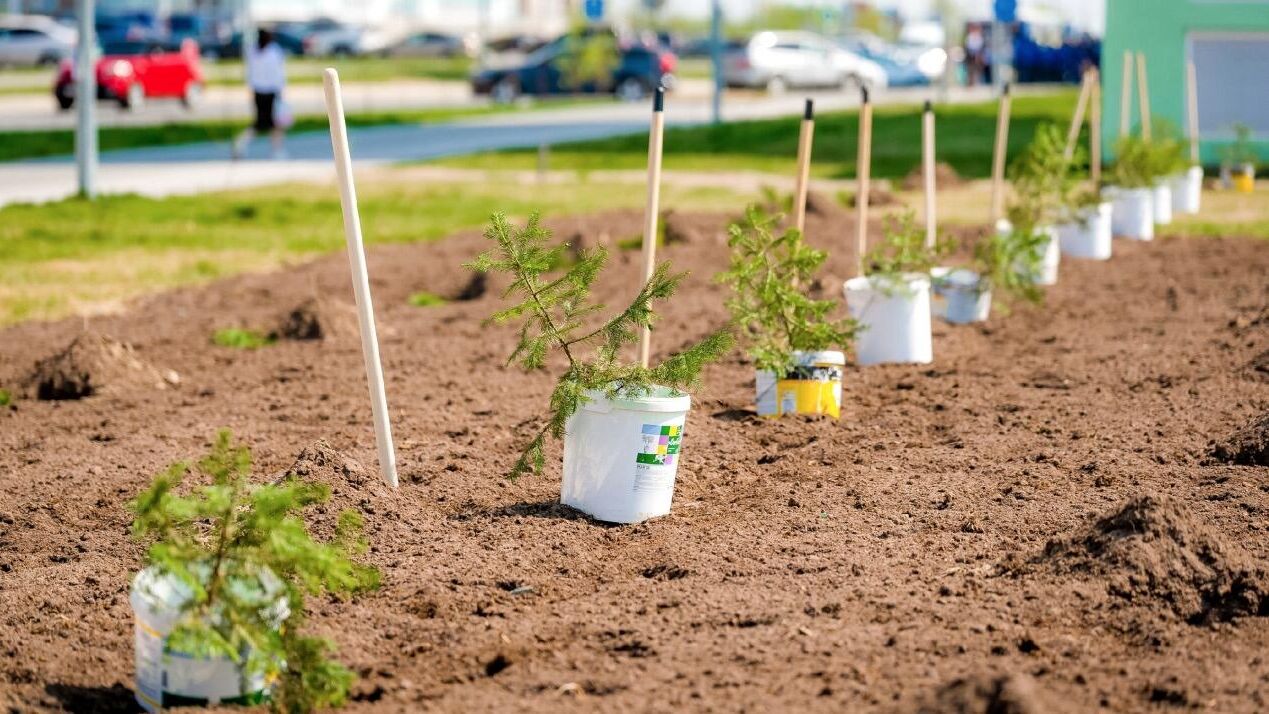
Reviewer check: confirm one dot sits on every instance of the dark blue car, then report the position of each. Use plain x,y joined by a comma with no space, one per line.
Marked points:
634,71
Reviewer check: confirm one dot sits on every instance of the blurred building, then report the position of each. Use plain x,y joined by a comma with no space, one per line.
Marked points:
1228,41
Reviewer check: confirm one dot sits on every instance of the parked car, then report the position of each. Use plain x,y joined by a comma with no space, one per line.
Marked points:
325,37
232,47
898,74
432,44
127,27
777,61
32,40
637,70
132,72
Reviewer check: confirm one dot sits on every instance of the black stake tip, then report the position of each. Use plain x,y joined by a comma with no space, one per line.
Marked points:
808,112
658,100
863,91
1008,86
928,106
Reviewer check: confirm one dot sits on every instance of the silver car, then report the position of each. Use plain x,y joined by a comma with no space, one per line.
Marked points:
32,40
777,61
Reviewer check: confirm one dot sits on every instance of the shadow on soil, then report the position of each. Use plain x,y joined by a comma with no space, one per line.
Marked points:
542,509
115,699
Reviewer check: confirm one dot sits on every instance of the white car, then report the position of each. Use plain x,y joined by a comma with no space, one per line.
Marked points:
777,61
32,40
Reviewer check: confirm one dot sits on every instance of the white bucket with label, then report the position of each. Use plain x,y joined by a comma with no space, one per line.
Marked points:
1088,236
1132,215
1187,188
621,455
966,297
894,318
1162,202
165,678
814,386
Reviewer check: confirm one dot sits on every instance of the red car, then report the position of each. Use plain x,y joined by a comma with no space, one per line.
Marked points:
132,72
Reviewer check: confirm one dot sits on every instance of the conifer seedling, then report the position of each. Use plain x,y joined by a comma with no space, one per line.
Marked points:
768,274
903,250
231,542
557,314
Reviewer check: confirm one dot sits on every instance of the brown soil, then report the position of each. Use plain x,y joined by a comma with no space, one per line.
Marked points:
1248,446
318,319
94,364
864,564
944,177
876,197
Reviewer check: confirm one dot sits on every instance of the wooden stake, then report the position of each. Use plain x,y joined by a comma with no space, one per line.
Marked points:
1077,119
804,166
1095,129
1125,97
927,155
863,171
656,138
998,157
1191,82
1143,96
360,280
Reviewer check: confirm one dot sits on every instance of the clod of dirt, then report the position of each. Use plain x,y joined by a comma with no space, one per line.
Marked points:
475,288
944,177
1154,548
318,319
1258,368
1249,446
323,463
989,694
678,229
817,204
96,364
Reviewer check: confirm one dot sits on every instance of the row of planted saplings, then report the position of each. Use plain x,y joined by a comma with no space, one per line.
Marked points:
220,606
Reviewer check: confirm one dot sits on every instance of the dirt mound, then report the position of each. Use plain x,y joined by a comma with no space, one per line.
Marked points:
1258,367
94,363
819,204
680,229
876,197
944,177
323,463
318,319
475,288
989,694
1249,446
1154,549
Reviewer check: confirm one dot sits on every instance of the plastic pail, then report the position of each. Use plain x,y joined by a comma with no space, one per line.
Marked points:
894,317
621,455
967,301
1132,213
1088,236
1187,190
814,386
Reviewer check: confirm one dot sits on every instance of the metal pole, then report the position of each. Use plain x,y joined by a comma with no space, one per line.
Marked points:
86,101
716,57
248,33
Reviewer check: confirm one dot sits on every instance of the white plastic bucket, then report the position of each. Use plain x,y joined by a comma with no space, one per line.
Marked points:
895,319
938,301
1088,236
165,678
967,299
1046,271
814,386
621,455
1132,215
1187,189
1162,203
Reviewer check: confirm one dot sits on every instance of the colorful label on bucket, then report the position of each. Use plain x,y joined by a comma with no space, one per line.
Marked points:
657,460
166,678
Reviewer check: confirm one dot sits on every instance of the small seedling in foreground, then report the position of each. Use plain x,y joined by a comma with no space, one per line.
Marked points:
768,274
240,339
426,299
903,251
553,314
224,542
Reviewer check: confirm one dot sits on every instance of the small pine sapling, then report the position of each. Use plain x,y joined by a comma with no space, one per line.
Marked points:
1042,179
1007,264
903,251
556,315
1134,165
237,547
1240,152
767,275
1167,149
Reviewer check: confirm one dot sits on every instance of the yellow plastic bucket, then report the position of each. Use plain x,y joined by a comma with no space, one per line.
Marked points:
814,386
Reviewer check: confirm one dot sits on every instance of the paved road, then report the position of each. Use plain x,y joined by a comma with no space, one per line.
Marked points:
202,167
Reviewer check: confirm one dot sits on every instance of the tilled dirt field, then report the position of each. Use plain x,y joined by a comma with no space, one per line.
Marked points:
1034,522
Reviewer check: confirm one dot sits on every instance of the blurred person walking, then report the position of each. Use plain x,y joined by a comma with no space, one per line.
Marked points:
266,75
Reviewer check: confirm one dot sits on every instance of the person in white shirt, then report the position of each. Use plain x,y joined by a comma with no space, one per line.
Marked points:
266,75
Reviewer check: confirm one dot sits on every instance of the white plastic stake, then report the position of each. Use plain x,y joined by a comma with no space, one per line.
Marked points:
656,138
863,172
1191,81
998,157
927,155
360,280
804,166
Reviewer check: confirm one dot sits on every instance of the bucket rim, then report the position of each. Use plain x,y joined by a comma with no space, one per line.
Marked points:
806,359
659,399
870,283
